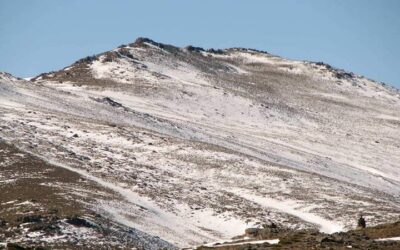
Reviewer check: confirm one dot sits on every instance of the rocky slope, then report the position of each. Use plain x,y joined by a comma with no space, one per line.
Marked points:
198,145
45,206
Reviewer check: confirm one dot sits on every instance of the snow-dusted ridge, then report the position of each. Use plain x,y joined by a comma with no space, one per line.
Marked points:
202,144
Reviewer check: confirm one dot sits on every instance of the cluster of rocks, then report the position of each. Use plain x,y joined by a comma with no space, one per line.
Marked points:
87,59
266,231
338,73
79,222
194,49
141,42
125,52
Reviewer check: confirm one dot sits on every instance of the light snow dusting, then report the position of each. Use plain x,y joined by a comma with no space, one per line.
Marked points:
199,146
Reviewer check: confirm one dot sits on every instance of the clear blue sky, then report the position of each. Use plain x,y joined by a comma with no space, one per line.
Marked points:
361,36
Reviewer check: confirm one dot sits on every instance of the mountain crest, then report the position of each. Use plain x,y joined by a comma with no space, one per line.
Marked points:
193,145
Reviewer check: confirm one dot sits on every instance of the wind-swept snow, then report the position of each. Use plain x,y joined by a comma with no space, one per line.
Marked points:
199,146
326,226
179,230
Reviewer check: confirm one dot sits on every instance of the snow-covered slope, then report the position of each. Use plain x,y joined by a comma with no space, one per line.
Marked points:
201,144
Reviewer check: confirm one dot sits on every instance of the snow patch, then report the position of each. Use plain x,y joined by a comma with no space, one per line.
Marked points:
256,242
389,239
325,225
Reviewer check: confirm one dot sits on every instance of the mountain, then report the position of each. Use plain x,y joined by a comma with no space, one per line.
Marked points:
155,146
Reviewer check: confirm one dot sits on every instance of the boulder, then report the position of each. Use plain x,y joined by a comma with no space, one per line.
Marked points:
252,232
79,222
2,223
30,218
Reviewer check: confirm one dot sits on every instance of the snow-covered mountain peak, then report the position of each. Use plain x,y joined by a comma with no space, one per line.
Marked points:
7,76
146,58
199,144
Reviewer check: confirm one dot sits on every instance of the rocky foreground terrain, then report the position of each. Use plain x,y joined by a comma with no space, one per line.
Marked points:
152,146
378,237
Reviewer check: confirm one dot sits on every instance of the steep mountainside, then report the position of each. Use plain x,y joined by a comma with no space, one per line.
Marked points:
197,145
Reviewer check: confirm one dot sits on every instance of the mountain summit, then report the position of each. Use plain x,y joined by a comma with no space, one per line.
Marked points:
187,145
